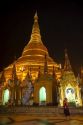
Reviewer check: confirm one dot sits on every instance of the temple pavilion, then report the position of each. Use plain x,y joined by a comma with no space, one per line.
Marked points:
69,85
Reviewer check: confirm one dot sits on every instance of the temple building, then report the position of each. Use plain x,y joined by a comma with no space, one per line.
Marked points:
35,78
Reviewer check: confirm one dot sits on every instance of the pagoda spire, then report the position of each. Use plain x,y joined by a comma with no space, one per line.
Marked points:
28,76
39,72
45,65
2,79
67,65
53,72
35,35
14,76
36,17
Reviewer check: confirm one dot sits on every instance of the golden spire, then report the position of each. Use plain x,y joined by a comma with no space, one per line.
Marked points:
35,17
14,75
45,65
35,35
67,65
39,72
53,72
2,79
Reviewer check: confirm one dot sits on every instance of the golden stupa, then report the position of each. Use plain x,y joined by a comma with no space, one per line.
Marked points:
33,57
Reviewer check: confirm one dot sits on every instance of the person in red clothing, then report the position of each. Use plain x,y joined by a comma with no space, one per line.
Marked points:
66,108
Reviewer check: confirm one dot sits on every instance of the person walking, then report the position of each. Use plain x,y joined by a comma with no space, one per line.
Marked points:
66,108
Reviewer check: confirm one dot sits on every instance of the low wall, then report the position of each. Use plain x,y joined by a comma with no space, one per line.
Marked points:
38,110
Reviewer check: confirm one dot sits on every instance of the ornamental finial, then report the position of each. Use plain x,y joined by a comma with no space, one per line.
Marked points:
35,17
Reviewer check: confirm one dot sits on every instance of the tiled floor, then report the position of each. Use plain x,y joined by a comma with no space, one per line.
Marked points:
39,120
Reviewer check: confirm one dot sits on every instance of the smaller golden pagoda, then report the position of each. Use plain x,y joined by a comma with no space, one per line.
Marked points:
69,86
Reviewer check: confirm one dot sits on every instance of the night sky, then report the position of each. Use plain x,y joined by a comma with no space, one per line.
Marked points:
61,26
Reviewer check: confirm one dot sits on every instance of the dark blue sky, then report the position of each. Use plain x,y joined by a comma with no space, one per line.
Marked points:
61,26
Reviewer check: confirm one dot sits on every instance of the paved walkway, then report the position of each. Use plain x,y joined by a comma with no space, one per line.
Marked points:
40,120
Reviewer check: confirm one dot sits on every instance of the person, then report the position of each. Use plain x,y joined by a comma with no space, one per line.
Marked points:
66,108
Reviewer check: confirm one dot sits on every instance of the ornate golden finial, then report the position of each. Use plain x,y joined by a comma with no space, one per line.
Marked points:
67,65
65,50
35,17
66,55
